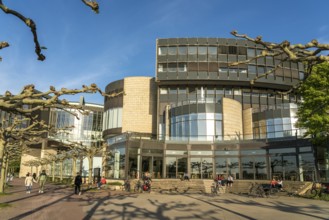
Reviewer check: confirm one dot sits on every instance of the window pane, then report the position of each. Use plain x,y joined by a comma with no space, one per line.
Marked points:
212,50
192,50
172,50
163,50
202,50
251,53
182,50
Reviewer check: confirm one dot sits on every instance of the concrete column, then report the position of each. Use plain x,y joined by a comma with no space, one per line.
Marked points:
167,122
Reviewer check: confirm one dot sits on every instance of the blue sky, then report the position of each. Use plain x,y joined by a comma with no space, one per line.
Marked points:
84,47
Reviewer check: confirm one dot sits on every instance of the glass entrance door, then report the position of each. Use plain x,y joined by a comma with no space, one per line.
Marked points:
201,168
153,165
175,167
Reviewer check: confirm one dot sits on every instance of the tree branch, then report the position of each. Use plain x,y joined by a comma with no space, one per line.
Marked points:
92,4
30,23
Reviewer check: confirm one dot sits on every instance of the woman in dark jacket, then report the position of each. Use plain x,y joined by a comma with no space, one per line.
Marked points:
77,184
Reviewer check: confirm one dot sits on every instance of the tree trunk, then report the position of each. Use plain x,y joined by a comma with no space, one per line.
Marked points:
90,161
3,175
74,168
61,170
53,170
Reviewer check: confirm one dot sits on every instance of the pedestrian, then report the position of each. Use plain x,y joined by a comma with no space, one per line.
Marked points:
34,176
28,183
77,184
186,177
103,181
230,181
42,181
280,184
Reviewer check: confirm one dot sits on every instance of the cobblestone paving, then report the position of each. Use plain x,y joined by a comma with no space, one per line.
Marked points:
59,202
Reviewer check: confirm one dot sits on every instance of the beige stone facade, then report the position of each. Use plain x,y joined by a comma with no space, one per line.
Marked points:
139,105
232,119
247,123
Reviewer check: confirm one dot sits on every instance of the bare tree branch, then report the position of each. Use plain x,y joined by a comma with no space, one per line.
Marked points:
92,4
37,100
31,24
310,54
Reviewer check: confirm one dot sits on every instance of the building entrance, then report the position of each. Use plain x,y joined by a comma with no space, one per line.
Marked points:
153,165
201,168
176,167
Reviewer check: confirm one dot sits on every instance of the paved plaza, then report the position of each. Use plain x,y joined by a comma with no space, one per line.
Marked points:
59,202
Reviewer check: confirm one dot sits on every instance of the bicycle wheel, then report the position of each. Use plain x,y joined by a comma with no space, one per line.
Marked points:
213,190
311,192
274,193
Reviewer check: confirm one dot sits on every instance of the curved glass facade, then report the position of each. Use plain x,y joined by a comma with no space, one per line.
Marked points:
196,121
84,128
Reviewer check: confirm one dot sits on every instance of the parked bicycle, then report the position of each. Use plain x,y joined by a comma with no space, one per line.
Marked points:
256,190
263,190
318,189
216,188
271,191
126,185
138,186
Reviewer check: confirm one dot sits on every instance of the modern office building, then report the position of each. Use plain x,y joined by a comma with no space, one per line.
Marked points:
202,116
85,129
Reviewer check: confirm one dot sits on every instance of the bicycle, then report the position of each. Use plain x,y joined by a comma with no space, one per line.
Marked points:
270,191
126,186
216,188
138,187
256,190
317,189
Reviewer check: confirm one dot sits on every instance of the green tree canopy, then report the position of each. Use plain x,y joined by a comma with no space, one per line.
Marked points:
313,112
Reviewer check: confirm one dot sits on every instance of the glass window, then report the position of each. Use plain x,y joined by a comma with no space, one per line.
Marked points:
243,71
212,50
163,50
222,50
182,50
182,67
192,50
301,75
232,50
201,152
237,91
182,90
252,69
202,50
253,152
251,53
223,70
247,165
261,70
172,91
233,70
160,67
305,149
172,50
176,152
228,91
163,91
172,67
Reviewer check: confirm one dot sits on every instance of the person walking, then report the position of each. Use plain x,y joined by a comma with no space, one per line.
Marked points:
77,184
230,181
42,181
28,183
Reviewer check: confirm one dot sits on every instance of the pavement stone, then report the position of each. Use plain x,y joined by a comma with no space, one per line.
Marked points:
59,202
